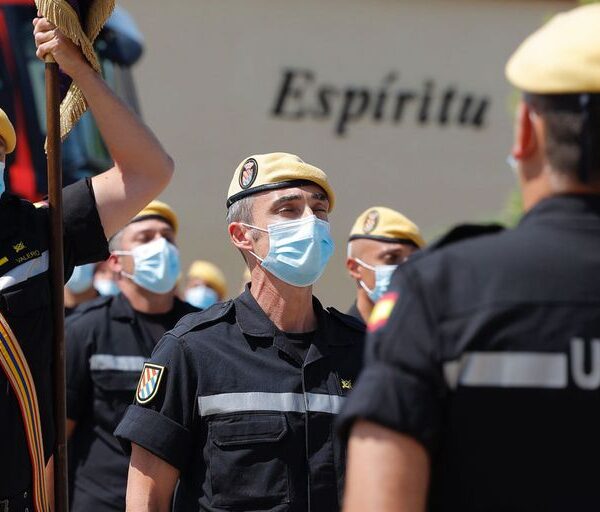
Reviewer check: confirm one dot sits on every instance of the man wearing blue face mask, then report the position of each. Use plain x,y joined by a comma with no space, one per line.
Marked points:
108,340
380,240
238,401
205,284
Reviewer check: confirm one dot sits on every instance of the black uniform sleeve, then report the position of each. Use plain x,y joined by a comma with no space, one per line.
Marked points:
164,424
78,352
84,238
401,385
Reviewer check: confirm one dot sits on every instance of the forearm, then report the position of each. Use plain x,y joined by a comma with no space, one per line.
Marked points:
387,471
131,144
150,482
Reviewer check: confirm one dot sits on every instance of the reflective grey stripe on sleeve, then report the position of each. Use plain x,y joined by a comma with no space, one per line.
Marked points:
259,401
24,271
508,370
119,363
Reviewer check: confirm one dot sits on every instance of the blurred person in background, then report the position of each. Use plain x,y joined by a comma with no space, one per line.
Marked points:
482,381
205,284
108,341
238,401
80,287
105,280
380,240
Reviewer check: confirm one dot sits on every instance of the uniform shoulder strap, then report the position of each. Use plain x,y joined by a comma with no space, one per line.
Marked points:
350,321
464,232
202,319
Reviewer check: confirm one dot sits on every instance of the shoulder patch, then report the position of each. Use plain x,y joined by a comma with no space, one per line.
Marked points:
349,320
464,232
201,318
149,382
382,311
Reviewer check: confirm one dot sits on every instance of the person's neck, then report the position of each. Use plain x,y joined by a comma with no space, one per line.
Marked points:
551,183
290,308
143,301
74,299
364,305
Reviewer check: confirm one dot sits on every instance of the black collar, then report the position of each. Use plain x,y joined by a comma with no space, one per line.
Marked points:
253,321
565,209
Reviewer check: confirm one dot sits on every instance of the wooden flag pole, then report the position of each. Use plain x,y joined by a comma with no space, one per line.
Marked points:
61,502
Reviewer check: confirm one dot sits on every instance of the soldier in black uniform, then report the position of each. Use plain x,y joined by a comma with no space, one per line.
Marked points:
379,241
482,384
108,341
93,209
238,401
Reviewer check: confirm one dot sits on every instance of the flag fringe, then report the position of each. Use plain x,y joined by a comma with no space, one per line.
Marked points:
61,14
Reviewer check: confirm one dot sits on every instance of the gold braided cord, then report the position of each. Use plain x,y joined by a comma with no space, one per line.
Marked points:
61,14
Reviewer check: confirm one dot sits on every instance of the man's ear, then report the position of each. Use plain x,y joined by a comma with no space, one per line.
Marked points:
526,142
240,236
353,269
114,264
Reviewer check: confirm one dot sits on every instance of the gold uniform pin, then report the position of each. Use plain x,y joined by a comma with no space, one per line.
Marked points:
346,384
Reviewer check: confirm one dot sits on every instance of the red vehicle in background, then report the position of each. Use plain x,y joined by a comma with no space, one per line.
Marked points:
119,46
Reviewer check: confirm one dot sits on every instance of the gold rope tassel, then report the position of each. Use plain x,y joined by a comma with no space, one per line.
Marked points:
61,14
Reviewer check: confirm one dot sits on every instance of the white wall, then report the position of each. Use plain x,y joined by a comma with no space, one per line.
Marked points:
213,69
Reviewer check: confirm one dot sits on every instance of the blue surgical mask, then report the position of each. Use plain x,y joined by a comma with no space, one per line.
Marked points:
81,279
106,287
156,265
298,250
2,184
201,296
383,276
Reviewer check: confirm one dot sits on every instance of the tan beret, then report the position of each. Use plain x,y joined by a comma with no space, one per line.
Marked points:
562,57
386,225
259,173
158,209
7,132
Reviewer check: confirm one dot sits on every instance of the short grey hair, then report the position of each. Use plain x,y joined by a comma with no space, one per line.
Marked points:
114,244
241,211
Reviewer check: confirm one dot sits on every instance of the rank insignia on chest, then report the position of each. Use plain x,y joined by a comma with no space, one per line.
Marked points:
149,382
346,383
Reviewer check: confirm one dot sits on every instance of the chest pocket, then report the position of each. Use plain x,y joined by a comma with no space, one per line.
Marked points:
113,393
248,464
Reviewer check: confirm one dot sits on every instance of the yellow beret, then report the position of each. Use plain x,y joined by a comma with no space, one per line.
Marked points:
7,132
210,274
386,225
158,209
274,171
561,57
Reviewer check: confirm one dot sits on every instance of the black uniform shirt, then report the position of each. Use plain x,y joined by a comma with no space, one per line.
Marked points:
231,409
353,311
25,303
491,359
107,344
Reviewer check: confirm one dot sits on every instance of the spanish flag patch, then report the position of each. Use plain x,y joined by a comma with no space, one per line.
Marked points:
382,311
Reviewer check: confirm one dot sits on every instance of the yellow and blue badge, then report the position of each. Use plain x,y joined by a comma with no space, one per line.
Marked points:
382,311
149,382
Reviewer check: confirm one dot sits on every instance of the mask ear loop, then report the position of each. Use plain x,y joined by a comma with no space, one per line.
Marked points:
360,281
258,229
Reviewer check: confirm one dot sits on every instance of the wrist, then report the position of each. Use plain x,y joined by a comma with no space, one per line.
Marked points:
82,74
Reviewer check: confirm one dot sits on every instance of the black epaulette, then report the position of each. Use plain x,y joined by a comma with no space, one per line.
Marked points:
348,320
202,318
464,232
